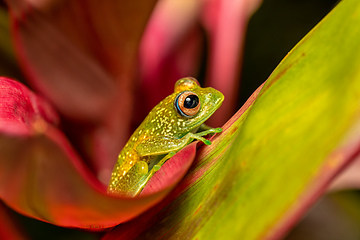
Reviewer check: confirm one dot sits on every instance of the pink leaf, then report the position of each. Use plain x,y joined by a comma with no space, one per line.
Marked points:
169,48
173,170
81,55
173,41
226,23
43,177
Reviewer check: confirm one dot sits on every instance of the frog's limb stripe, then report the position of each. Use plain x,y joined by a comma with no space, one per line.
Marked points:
152,146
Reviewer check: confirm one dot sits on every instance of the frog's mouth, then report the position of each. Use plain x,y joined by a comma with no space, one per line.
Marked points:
217,105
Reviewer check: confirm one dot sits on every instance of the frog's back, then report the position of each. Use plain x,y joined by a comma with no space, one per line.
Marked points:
128,156
159,122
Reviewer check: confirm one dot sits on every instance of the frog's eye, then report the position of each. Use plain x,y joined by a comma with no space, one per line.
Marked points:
187,103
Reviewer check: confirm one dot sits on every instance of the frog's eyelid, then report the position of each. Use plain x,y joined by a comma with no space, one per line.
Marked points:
186,83
194,80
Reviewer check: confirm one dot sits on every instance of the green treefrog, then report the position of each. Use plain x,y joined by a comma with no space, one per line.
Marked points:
169,127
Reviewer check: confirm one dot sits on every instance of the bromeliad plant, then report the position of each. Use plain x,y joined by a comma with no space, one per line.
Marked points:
60,141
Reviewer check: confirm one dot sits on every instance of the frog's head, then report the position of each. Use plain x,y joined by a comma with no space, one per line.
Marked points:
195,104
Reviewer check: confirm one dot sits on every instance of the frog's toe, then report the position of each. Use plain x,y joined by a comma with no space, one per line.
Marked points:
218,130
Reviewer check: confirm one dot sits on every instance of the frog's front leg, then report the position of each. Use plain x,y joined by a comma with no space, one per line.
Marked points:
208,131
186,139
161,145
204,127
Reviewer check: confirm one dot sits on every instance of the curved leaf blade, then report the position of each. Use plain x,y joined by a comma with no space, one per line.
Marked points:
95,46
43,177
82,57
302,129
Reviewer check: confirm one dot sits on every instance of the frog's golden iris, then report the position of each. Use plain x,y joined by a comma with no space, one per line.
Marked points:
187,103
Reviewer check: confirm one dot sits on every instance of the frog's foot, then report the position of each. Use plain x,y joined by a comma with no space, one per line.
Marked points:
139,180
199,135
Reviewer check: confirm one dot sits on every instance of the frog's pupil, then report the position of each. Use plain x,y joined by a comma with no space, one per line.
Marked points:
191,101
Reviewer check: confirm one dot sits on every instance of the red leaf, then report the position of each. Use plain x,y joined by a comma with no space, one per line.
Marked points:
8,227
172,171
82,56
43,177
22,112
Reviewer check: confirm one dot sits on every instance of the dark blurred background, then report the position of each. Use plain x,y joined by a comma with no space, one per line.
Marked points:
272,32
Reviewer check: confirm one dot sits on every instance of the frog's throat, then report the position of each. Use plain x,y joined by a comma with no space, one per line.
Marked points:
197,125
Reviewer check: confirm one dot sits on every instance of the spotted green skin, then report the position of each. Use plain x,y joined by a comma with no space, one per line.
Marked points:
163,133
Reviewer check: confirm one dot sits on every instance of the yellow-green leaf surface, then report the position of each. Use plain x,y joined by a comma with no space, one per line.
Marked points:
274,160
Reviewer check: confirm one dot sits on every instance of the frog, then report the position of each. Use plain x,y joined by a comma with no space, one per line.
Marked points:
170,126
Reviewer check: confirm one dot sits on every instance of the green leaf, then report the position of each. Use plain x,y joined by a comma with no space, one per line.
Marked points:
279,152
